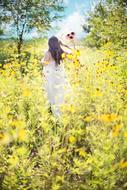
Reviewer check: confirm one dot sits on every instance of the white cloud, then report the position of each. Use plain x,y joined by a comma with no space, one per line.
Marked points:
73,23
66,2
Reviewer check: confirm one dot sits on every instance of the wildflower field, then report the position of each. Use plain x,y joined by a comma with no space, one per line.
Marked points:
86,149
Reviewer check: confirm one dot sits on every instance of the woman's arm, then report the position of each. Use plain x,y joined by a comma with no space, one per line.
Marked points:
64,45
45,59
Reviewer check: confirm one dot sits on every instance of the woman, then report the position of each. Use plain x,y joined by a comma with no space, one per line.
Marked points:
56,84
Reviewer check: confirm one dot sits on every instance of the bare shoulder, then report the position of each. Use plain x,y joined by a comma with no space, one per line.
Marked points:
46,53
46,57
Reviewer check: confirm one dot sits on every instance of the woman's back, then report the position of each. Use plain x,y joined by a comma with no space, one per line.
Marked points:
56,83
51,63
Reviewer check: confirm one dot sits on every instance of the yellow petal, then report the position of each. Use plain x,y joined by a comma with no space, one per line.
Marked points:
123,163
72,139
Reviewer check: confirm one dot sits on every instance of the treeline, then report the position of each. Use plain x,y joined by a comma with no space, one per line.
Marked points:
107,23
24,16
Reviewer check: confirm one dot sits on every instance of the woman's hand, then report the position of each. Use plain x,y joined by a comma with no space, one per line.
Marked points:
44,62
64,45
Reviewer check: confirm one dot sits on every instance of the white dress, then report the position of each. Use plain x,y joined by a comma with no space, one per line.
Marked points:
56,83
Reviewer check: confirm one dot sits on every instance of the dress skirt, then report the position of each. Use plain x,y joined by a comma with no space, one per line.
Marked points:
57,86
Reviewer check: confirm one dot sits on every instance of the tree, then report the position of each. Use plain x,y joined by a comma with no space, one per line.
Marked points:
24,15
107,22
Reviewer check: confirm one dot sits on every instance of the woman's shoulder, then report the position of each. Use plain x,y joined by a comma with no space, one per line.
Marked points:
47,53
46,57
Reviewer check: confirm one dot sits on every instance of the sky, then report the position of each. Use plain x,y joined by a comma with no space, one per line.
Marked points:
75,15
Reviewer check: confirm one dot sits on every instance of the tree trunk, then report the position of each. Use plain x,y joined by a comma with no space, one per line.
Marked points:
19,44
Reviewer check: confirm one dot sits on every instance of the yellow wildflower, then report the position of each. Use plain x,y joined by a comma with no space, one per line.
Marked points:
69,56
123,163
108,117
76,62
46,62
13,160
82,153
72,139
98,92
69,108
22,135
17,123
4,138
109,53
21,151
26,92
88,118
1,136
13,73
125,134
78,52
63,55
116,130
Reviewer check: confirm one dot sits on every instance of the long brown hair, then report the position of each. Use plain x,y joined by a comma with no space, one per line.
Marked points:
55,49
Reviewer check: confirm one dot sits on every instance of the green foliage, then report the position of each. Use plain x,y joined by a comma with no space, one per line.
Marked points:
107,23
1,31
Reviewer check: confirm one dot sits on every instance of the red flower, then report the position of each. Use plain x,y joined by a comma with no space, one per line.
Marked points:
71,37
72,33
68,36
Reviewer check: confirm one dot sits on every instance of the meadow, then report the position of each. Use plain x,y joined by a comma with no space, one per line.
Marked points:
86,149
